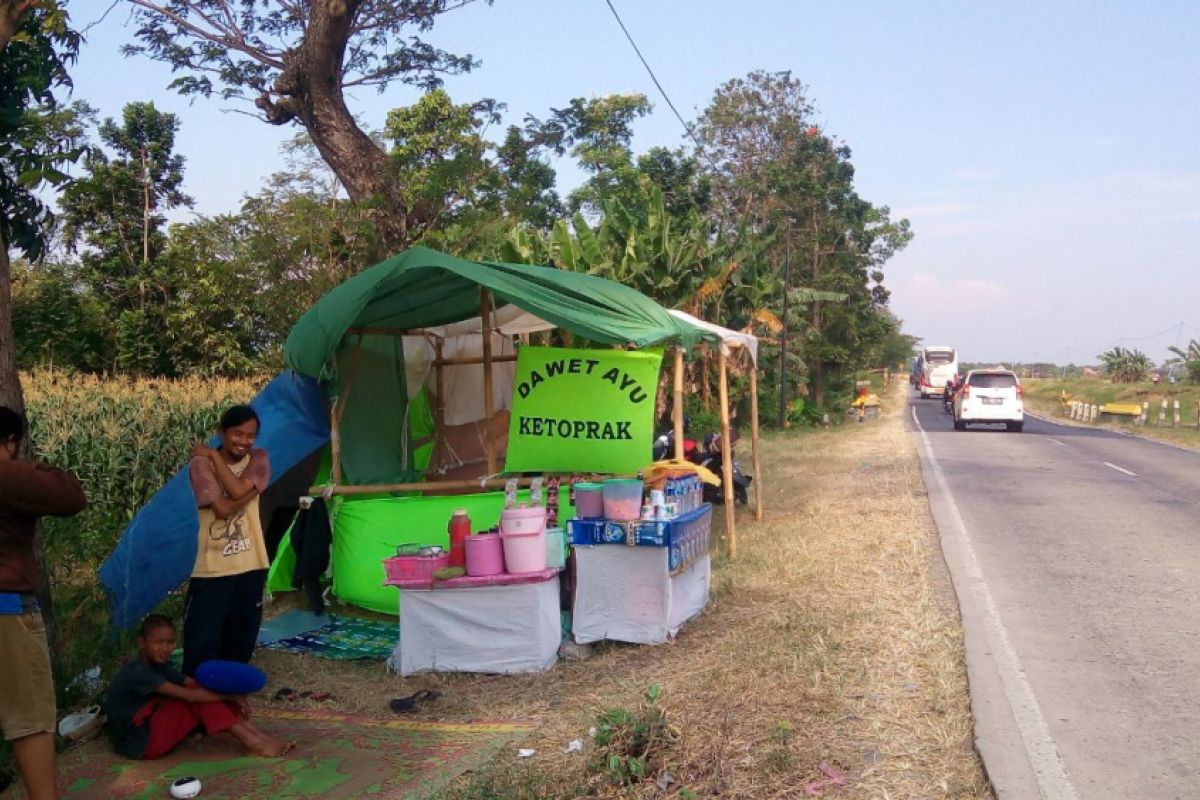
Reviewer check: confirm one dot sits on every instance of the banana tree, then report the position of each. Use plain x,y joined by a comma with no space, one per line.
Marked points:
1189,359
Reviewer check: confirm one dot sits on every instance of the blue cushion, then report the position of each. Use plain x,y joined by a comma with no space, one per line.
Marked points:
230,677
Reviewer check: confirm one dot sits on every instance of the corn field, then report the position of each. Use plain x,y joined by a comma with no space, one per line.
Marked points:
123,439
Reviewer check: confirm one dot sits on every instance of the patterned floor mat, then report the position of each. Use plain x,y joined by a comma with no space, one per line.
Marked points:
338,756
345,639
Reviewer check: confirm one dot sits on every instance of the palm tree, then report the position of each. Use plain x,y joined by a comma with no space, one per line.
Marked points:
1189,359
1126,366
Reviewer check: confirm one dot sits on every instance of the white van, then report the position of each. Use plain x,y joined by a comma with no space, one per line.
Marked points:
938,365
990,396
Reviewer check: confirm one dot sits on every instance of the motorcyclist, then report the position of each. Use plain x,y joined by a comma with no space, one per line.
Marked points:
948,393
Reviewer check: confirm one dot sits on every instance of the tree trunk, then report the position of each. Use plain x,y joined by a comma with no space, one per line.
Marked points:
10,382
12,17
309,90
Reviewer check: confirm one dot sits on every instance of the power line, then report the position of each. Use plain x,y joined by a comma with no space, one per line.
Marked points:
1176,326
687,128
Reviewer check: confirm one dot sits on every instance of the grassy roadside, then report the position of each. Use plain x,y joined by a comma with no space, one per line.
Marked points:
1042,396
832,642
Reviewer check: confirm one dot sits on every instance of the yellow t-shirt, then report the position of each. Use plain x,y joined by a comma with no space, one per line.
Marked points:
235,545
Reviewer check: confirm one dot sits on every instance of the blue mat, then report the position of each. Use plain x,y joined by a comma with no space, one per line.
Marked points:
289,624
345,639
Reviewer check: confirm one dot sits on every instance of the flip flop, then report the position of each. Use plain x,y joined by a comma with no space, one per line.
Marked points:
405,705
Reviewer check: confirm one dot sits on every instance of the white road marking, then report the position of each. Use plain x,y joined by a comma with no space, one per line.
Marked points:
1044,757
1057,442
1120,469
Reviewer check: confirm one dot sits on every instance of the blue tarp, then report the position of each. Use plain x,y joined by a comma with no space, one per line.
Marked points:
157,551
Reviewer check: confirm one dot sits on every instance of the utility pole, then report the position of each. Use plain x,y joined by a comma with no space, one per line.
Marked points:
145,227
783,337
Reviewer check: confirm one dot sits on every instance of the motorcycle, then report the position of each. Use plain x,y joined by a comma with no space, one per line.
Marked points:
664,446
710,458
948,396
713,460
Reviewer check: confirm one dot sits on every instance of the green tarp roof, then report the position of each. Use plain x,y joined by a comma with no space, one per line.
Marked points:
422,287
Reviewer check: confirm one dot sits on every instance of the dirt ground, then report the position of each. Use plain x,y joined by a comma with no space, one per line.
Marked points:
831,651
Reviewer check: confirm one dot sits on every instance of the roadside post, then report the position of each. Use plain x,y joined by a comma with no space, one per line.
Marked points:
1162,413
1175,420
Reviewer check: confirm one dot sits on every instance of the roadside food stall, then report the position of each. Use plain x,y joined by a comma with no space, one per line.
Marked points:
426,412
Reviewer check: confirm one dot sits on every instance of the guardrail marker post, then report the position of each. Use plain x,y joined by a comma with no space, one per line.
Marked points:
1162,413
1146,412
1175,419
1095,412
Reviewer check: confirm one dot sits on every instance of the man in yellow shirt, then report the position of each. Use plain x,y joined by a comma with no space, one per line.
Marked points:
223,610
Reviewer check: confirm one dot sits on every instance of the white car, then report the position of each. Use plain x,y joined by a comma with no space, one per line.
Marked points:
990,396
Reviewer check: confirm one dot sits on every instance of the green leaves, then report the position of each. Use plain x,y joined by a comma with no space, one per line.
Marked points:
32,151
1125,365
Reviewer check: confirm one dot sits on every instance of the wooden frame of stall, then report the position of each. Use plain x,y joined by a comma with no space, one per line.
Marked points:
485,307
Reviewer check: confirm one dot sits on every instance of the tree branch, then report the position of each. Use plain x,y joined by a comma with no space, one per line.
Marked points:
232,39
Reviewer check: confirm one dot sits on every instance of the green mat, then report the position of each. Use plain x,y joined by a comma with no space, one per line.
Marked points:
337,756
345,639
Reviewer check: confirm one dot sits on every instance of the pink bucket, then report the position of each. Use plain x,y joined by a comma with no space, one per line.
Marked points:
525,552
523,519
485,555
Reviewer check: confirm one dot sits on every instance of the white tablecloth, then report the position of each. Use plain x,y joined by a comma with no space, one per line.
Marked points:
495,629
627,594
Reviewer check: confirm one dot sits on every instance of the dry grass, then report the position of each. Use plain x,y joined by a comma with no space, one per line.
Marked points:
832,640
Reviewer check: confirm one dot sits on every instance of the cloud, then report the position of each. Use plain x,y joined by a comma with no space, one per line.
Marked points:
957,296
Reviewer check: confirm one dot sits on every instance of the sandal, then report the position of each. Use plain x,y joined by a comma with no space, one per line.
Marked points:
405,705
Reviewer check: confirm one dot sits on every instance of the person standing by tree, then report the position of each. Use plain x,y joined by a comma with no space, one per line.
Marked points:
28,491
223,610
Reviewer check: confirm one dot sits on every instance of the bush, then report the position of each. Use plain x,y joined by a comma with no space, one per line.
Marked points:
631,746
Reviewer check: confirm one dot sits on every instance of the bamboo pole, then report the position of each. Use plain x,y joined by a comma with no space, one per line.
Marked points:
468,360
485,314
678,412
758,473
378,488
727,456
439,374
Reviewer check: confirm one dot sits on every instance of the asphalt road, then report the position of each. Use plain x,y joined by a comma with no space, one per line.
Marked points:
1075,555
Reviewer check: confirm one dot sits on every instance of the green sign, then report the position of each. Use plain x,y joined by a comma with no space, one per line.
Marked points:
582,410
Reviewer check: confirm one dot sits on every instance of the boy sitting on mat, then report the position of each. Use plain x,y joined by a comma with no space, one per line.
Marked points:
152,707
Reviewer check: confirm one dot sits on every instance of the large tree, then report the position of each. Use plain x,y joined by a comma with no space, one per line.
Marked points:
295,61
36,45
118,210
777,174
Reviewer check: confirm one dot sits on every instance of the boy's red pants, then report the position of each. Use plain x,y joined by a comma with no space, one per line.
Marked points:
171,720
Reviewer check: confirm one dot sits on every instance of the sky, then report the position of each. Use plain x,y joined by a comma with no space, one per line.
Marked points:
1045,152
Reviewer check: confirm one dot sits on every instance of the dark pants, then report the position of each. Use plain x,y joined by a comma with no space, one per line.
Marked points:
221,618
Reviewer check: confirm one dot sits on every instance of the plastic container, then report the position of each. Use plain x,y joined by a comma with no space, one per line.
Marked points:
524,552
556,548
523,519
484,554
623,499
459,529
589,500
409,568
